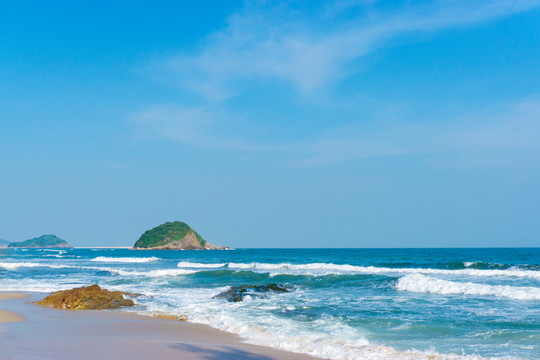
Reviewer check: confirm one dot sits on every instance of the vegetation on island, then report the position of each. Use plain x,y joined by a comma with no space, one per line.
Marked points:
44,241
174,235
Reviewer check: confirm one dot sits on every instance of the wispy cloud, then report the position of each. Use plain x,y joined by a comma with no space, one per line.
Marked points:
196,126
310,51
514,127
313,51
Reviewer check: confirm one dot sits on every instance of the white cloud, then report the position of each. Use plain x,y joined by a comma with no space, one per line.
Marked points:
197,126
514,127
265,42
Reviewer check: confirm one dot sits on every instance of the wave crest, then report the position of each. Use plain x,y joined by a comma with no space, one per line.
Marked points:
318,269
17,265
186,264
426,284
125,259
150,273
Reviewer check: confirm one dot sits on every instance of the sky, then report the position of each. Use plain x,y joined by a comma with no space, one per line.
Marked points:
346,123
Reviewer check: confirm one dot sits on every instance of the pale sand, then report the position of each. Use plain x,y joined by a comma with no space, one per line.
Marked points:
63,334
8,316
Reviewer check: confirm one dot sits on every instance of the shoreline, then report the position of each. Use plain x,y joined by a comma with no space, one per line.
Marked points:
51,333
9,316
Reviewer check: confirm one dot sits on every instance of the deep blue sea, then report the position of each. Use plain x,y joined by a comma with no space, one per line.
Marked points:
346,303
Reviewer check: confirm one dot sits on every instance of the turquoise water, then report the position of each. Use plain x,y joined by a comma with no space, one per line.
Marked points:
346,303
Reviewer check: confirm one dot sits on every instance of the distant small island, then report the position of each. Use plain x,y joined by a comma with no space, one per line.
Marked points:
44,241
174,235
4,243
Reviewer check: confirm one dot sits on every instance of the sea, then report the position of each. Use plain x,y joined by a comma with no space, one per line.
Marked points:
343,303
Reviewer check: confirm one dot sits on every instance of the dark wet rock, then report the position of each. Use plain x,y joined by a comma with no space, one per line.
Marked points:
87,298
237,293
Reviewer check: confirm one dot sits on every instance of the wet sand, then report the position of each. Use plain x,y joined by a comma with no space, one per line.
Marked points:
8,316
62,334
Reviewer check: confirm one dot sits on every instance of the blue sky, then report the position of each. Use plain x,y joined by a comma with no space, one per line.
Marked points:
343,123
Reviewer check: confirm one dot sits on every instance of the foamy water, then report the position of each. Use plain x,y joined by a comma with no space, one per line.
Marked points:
346,304
125,259
422,283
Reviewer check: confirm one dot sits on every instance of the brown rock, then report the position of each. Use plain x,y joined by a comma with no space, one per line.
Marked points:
86,298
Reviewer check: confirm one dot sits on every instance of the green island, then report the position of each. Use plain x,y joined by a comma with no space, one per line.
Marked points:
174,235
44,241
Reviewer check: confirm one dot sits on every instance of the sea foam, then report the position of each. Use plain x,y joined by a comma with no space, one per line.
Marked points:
17,265
330,268
151,273
125,259
185,264
426,284
30,286
332,340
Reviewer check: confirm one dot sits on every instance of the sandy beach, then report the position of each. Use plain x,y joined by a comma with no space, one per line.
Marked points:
8,316
62,334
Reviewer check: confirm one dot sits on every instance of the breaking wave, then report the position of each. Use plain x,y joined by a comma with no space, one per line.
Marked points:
330,268
185,264
125,259
333,339
426,284
17,265
151,273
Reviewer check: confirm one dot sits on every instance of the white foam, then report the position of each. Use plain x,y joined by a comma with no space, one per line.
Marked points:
123,272
327,338
30,286
186,264
426,284
329,268
17,265
471,263
169,272
125,259
151,273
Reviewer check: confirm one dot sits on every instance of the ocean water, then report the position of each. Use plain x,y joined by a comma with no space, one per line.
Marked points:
346,303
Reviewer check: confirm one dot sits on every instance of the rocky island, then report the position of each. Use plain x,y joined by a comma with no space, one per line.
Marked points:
44,241
174,235
3,243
